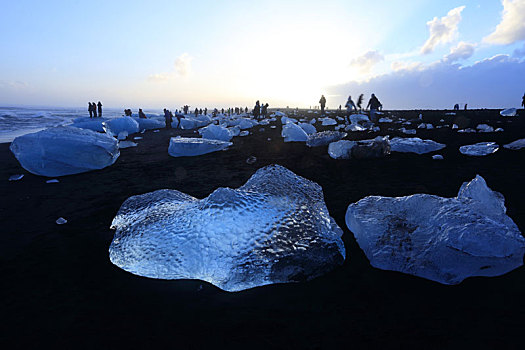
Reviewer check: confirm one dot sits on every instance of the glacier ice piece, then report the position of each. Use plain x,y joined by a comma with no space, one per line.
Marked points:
441,239
122,135
126,144
245,123
52,181
355,127
293,133
341,149
437,157
308,128
16,177
149,123
479,149
518,144
509,112
251,160
359,118
89,123
485,128
414,145
370,149
324,138
115,126
408,131
244,133
187,147
328,121
64,150
274,229
216,132
385,120
61,221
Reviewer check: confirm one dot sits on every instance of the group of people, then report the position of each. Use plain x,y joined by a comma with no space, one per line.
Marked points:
93,108
129,113
168,117
350,105
260,111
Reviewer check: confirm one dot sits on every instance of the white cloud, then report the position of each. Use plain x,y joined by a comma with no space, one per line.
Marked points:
183,64
462,51
402,65
512,25
494,82
366,61
442,30
159,77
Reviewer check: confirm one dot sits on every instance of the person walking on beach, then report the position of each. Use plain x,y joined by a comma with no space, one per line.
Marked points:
374,105
349,106
90,110
99,105
256,110
523,101
179,117
141,114
168,118
94,109
322,101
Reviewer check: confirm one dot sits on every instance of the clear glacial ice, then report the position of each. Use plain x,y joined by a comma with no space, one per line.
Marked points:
414,145
274,229
441,239
186,147
64,150
324,138
115,126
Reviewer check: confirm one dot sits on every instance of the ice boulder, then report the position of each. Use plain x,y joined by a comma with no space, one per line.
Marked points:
385,120
414,145
509,112
370,149
324,138
359,118
485,128
293,133
115,126
274,229
149,123
94,124
341,149
215,132
516,145
308,128
246,123
479,149
187,147
441,239
64,150
328,121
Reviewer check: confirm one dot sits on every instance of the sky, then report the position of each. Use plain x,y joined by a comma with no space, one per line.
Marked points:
155,54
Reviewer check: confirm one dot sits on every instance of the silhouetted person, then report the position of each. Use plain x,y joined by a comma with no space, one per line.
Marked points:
264,110
456,107
465,106
179,117
339,108
90,110
349,106
523,101
374,105
94,109
141,114
322,102
222,110
246,109
168,118
360,102
99,105
200,111
196,111
206,111
256,110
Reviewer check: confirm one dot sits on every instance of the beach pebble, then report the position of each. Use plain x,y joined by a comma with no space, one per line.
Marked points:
61,221
16,177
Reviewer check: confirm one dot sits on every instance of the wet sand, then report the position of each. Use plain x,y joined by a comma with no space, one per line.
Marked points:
60,289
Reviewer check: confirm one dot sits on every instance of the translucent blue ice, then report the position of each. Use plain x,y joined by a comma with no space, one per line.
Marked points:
185,147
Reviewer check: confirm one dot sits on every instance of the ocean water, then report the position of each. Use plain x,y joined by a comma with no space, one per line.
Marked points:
16,121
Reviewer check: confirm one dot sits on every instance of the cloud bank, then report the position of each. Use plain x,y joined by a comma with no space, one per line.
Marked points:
512,25
442,30
491,83
460,52
366,61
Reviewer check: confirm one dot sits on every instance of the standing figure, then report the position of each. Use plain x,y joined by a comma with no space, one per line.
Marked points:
256,110
206,111
322,101
374,105
167,118
349,106
196,112
456,107
360,102
99,105
465,106
523,101
141,114
94,109
264,110
90,110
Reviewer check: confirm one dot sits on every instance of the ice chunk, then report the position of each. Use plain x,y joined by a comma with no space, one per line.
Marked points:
441,239
185,147
324,138
359,118
518,144
64,150
122,135
126,144
328,121
355,127
293,133
375,148
244,133
313,121
16,177
385,120
341,149
308,128
479,149
215,132
52,181
89,123
246,123
509,112
61,221
408,131
274,229
149,123
137,138
485,128
278,114
455,126
235,130
498,130
115,126
251,160
414,145
437,157
468,130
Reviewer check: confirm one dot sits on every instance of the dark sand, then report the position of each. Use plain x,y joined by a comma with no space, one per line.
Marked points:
59,287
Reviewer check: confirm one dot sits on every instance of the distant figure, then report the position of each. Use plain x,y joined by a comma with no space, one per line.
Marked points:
168,118
523,101
127,112
322,101
196,112
339,108
360,102
141,114
90,110
222,110
179,117
465,106
246,109
206,111
456,107
350,105
256,110
264,110
99,105
186,108
200,111
94,109
374,105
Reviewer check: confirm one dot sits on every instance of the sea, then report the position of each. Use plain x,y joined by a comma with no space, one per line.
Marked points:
17,121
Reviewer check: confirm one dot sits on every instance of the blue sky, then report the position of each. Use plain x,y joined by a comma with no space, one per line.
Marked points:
225,53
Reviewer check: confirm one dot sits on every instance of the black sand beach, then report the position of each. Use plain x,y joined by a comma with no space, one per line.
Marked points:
60,289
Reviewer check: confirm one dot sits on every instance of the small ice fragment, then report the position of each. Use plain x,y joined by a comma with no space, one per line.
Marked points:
126,144
122,135
16,177
437,157
269,139
244,133
137,138
251,160
61,221
53,181
156,130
